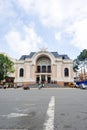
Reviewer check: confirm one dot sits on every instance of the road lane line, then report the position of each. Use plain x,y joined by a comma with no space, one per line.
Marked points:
49,123
14,129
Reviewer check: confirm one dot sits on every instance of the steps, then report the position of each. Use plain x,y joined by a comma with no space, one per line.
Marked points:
48,85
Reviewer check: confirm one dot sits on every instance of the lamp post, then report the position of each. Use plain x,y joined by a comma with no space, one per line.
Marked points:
85,67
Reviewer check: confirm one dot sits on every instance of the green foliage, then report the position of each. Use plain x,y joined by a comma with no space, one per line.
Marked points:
83,55
75,65
80,58
75,68
6,66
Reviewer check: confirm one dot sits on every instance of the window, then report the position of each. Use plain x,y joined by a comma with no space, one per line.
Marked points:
38,69
43,69
21,72
49,69
63,57
66,72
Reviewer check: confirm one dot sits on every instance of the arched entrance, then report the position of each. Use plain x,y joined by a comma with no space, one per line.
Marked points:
43,69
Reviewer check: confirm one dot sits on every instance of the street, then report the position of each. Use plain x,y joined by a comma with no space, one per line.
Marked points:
45,109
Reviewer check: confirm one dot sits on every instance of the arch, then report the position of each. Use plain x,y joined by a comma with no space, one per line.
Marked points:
43,60
43,63
21,72
66,72
43,54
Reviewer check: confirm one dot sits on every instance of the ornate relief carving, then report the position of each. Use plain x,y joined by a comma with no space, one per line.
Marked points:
43,49
43,61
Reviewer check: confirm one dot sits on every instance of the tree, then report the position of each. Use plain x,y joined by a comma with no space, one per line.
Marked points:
80,63
6,66
83,55
75,65
79,60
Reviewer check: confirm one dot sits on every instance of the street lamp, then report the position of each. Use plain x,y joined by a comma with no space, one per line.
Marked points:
85,67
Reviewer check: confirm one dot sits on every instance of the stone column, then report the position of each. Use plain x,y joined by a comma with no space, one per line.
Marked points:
40,78
46,78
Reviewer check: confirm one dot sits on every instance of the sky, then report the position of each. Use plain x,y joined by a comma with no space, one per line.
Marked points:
29,25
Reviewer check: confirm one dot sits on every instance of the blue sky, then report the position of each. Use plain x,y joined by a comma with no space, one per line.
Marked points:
29,25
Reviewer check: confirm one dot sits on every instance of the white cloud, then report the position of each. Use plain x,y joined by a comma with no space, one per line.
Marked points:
79,32
6,10
48,11
64,16
58,36
27,5
54,13
21,46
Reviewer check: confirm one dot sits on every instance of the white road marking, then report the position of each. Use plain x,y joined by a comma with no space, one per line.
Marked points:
13,129
49,123
11,115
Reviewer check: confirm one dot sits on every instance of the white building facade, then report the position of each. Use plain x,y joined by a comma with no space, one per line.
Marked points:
43,66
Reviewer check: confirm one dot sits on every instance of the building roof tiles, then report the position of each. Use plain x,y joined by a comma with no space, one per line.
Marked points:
55,54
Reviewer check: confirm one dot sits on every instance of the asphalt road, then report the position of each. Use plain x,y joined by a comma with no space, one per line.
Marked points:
45,109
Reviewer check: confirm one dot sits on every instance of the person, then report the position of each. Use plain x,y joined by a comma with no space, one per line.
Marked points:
40,85
43,85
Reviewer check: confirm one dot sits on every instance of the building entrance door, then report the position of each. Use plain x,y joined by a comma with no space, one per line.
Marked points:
49,79
37,79
43,78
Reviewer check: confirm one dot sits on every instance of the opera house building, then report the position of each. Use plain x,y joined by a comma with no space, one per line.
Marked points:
43,66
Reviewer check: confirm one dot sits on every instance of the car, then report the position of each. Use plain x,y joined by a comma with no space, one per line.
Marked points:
26,87
83,86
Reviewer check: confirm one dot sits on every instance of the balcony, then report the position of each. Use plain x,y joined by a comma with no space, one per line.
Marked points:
43,71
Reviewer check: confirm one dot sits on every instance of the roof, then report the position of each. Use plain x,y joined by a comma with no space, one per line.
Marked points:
55,54
23,57
64,57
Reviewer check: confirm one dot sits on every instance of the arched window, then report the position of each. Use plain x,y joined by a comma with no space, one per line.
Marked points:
21,72
66,72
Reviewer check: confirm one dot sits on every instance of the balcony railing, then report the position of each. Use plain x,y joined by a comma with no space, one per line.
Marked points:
43,72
